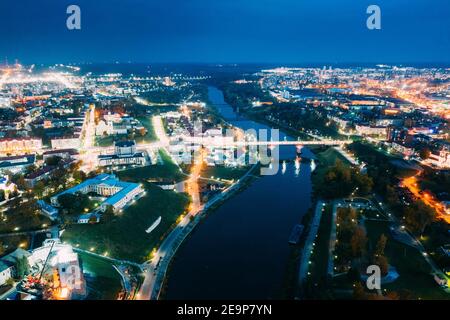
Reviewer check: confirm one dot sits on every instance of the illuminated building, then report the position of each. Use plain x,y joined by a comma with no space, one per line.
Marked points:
62,274
118,193
20,146
440,159
365,130
125,154
7,186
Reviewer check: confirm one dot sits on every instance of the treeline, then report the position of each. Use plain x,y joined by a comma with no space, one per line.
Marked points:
340,181
301,118
242,95
352,248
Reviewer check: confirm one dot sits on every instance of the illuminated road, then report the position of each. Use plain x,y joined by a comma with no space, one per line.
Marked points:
161,258
413,187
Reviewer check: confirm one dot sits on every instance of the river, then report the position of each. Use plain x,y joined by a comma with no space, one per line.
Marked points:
241,251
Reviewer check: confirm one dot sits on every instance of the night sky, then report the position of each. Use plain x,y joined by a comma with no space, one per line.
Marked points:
226,31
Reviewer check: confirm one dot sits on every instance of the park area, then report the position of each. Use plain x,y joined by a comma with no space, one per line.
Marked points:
166,171
124,235
223,172
103,281
415,279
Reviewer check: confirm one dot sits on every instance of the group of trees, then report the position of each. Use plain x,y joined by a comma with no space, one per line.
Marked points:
72,204
360,293
59,178
242,95
340,181
23,214
301,118
22,267
418,216
378,257
352,238
379,168
352,247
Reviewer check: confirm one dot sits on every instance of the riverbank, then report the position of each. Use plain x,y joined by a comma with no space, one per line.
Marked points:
165,261
231,247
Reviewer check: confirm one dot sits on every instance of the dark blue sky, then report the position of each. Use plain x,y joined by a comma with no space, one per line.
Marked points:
280,31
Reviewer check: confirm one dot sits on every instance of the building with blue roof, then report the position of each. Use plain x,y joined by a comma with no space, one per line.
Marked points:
117,193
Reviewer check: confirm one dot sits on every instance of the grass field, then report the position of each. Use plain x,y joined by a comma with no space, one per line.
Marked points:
223,172
166,171
124,237
102,279
147,123
104,141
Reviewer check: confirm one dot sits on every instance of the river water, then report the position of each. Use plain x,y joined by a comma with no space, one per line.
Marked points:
240,251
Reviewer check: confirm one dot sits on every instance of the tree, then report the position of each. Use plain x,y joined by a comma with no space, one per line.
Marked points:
381,245
30,169
39,189
22,267
354,275
108,215
418,216
79,175
53,161
74,203
19,180
358,242
359,293
364,183
391,195
2,248
425,153
382,262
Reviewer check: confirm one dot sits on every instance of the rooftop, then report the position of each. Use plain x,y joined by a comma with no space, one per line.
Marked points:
105,179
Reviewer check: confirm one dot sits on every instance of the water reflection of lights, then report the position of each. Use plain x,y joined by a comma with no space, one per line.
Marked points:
313,165
297,166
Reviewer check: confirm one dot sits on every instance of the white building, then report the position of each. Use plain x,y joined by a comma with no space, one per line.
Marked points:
125,154
441,159
371,131
404,150
63,266
118,193
104,128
